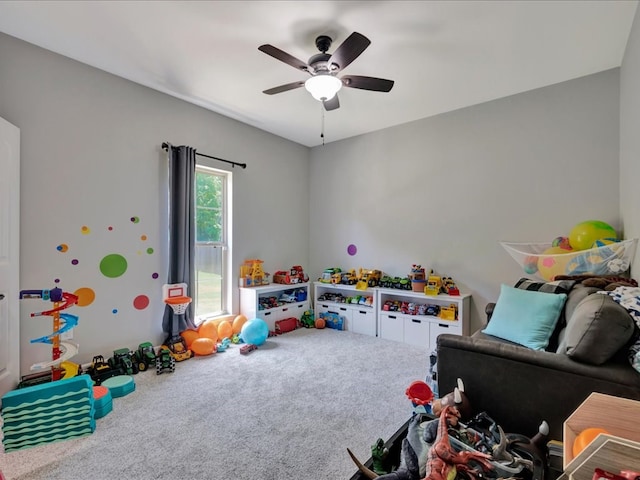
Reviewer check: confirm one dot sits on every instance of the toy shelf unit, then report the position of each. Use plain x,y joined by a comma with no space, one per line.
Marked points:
617,450
418,319
360,317
274,302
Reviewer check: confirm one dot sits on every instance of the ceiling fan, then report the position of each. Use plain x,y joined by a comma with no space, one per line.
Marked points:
324,67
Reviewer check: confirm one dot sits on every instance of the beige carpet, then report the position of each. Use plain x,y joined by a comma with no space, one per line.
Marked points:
286,411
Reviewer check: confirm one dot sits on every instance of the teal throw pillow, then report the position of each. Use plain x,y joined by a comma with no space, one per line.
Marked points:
525,317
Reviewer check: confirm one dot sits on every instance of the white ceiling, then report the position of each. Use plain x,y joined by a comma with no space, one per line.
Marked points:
442,55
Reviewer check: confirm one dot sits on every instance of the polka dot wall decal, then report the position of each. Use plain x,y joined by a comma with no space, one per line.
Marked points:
149,251
85,295
155,275
143,238
110,229
141,302
63,247
85,230
74,261
135,219
113,265
57,280
352,249
114,311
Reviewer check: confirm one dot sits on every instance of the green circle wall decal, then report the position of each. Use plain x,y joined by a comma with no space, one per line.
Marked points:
113,265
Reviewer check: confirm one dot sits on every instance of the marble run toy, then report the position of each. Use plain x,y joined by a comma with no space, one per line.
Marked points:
62,322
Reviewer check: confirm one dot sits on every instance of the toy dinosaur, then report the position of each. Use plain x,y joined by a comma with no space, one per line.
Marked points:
443,462
379,453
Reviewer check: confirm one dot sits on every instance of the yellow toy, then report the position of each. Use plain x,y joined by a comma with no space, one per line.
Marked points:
252,274
434,284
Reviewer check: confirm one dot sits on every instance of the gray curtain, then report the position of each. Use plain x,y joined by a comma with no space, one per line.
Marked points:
182,233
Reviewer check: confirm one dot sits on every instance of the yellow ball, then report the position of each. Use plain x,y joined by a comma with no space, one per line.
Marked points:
553,261
585,234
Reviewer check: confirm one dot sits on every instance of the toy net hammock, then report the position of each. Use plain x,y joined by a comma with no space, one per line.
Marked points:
178,304
546,261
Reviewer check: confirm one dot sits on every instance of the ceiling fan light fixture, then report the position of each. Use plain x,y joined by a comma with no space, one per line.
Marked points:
323,87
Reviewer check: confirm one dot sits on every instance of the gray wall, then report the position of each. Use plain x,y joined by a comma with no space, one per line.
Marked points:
443,191
91,156
630,138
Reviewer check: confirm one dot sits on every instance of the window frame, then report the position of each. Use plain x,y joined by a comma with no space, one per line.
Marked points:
224,244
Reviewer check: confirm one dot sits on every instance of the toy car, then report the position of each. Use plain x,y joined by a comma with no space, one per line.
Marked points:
145,356
449,287
122,359
247,348
433,310
178,348
165,361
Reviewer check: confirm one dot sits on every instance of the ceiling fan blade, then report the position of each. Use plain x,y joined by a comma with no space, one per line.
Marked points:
283,88
332,103
367,83
283,57
348,51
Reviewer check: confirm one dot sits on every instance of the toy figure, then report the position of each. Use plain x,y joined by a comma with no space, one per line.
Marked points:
457,399
379,453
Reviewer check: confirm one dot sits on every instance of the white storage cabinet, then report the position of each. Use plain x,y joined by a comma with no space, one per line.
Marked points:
358,318
251,299
420,330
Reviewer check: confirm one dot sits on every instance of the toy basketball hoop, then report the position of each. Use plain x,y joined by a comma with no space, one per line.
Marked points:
175,296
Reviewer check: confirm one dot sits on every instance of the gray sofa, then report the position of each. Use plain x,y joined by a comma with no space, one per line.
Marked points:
519,387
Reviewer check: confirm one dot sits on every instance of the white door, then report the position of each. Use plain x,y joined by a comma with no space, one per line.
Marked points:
9,256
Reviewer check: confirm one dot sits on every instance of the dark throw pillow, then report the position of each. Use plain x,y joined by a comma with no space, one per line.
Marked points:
596,330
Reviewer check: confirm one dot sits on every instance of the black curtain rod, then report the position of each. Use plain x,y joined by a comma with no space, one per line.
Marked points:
165,146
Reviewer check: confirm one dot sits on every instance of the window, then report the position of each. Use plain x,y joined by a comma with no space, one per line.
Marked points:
212,247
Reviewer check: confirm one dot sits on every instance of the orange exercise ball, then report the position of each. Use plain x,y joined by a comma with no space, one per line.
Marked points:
238,322
320,322
585,438
225,330
208,329
189,336
203,346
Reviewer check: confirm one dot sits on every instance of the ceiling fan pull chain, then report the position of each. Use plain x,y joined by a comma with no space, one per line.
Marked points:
322,128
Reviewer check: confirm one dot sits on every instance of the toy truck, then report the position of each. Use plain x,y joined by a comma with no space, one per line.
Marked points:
165,361
100,370
294,275
349,278
122,359
368,278
145,356
178,348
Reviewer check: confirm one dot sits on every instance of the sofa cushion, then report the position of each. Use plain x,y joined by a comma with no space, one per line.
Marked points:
525,317
596,330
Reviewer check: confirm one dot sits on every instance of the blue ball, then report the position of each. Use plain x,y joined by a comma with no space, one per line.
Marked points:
255,331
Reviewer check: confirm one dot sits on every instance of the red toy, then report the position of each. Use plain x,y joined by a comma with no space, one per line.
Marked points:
295,275
287,325
247,348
